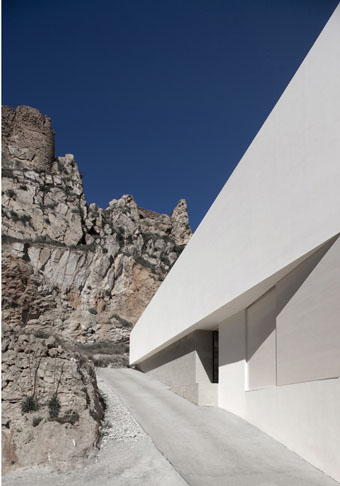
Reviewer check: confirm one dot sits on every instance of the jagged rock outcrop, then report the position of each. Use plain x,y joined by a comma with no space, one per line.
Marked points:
93,270
71,270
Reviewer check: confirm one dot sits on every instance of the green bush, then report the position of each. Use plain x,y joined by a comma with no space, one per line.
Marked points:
54,407
29,404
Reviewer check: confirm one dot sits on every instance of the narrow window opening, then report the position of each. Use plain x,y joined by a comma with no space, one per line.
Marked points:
215,355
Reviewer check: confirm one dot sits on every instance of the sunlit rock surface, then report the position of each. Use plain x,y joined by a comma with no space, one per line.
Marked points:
70,270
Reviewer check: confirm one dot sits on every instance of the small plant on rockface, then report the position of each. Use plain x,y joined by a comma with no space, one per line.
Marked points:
54,403
29,404
10,193
54,407
36,421
70,417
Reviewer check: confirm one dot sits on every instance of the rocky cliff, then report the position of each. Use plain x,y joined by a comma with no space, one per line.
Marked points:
71,271
89,272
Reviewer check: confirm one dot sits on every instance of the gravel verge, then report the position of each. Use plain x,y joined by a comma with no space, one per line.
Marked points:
119,424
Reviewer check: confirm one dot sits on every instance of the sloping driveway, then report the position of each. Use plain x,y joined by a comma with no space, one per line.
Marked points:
209,446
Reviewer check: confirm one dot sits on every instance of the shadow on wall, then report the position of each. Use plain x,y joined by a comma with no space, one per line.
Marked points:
189,360
260,344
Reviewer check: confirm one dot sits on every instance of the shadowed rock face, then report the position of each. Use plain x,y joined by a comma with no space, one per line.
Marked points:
72,270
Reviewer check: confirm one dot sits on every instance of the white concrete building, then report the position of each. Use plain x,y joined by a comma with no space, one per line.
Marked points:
249,316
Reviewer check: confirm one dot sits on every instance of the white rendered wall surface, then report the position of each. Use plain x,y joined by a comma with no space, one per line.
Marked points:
299,407
261,342
185,362
304,416
308,326
281,202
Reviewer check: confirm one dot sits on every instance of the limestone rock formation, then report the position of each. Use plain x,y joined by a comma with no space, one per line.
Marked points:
91,271
71,270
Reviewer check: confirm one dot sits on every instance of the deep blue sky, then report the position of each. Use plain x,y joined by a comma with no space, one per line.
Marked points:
155,98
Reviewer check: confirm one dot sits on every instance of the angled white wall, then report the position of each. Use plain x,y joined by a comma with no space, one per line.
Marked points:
308,326
279,361
281,202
